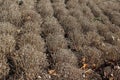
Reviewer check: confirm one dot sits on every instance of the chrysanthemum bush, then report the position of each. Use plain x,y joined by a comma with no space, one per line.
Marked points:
111,12
7,43
14,14
30,26
34,39
115,16
3,15
106,5
87,11
69,23
102,29
93,38
55,42
75,12
4,67
44,7
96,11
93,57
77,39
87,26
111,53
8,3
72,4
59,10
67,72
31,61
114,29
31,15
65,56
10,12
111,38
7,28
52,26
26,4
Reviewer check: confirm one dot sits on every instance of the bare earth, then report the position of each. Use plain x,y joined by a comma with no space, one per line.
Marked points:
59,39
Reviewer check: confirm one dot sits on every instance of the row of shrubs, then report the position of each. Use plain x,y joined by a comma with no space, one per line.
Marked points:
67,67
87,36
57,46
22,48
7,45
33,32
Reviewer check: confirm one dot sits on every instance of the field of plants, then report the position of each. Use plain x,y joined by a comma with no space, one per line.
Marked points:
59,39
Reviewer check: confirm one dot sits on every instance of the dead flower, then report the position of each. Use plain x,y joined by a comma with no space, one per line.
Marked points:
84,66
52,72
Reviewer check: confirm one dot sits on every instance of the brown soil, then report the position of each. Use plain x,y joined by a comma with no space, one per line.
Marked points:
59,39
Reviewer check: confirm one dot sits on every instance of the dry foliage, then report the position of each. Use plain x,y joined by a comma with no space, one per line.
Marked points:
31,61
7,43
34,39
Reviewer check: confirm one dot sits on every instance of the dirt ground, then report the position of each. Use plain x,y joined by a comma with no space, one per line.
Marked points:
59,39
